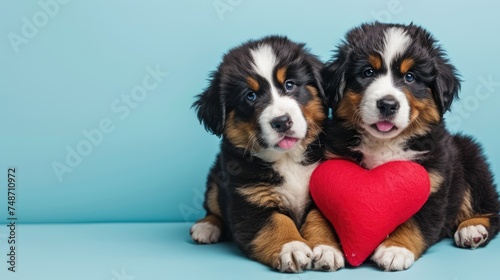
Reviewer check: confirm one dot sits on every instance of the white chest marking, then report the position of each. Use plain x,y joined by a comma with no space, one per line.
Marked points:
295,188
377,152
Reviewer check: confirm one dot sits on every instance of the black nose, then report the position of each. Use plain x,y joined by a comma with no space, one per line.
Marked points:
281,123
388,106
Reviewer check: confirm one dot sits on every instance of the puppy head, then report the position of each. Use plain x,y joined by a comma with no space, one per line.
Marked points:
265,96
390,80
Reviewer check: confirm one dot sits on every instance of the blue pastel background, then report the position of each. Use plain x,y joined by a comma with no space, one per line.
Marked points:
95,116
88,57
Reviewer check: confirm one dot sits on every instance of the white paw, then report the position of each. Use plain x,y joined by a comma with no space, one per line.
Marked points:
205,232
393,258
295,256
327,258
471,236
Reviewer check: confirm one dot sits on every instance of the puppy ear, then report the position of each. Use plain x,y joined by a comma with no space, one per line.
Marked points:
316,66
447,83
210,107
333,76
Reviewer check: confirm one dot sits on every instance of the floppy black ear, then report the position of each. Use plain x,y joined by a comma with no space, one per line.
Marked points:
210,107
316,66
333,76
447,83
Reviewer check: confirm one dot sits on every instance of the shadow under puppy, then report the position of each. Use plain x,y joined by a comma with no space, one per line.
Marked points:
266,102
389,86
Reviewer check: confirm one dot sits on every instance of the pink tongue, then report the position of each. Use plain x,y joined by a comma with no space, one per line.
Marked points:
384,126
287,142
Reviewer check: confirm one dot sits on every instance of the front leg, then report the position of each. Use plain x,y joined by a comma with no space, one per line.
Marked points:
401,248
322,238
211,228
280,245
408,242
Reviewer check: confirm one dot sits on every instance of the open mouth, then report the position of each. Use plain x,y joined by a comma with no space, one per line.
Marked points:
287,142
384,126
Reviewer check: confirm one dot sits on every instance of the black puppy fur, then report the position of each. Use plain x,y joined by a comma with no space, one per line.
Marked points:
257,189
463,195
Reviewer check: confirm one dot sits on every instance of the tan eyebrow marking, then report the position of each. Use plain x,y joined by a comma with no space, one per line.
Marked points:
375,61
253,84
406,64
281,75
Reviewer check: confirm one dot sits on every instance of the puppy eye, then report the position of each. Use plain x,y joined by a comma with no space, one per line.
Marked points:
369,72
251,96
289,85
409,77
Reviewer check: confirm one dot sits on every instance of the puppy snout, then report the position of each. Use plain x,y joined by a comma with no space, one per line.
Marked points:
282,123
388,106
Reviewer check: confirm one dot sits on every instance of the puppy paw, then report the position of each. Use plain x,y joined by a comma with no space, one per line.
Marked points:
205,233
295,256
327,258
393,258
471,236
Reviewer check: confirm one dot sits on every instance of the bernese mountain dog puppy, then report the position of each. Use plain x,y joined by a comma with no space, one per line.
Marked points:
267,103
389,86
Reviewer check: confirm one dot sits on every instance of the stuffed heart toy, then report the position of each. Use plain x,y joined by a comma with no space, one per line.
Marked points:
365,206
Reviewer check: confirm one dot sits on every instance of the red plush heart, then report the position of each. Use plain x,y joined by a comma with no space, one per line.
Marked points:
365,206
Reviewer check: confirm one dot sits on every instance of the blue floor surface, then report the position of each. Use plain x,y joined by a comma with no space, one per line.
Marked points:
151,251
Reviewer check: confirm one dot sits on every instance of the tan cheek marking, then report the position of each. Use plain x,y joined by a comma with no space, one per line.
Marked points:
212,199
409,236
270,239
375,61
406,65
312,90
317,230
423,113
481,220
261,195
253,84
427,108
281,75
240,133
314,114
348,108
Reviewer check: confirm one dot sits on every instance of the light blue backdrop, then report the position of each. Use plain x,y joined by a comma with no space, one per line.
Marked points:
95,95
